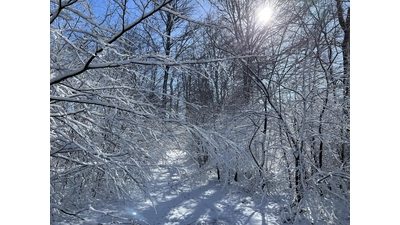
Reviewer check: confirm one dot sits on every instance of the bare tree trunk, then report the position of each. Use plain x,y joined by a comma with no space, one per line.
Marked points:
344,22
169,23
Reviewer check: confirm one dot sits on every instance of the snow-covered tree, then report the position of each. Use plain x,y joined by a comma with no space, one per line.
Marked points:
264,106
104,129
107,128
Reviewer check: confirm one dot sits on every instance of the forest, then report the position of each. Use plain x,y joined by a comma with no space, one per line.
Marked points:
256,103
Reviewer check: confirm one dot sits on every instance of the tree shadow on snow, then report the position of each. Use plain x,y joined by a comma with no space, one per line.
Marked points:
207,204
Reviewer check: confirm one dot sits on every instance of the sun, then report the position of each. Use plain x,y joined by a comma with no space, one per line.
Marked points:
265,14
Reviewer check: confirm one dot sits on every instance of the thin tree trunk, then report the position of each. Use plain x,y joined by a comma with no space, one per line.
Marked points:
345,25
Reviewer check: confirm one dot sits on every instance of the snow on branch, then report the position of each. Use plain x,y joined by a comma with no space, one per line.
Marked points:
125,29
61,5
61,209
159,61
100,103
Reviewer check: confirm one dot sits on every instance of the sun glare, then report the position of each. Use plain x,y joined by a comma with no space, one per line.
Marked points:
265,14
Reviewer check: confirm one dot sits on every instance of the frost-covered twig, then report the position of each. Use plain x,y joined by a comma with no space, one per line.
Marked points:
59,208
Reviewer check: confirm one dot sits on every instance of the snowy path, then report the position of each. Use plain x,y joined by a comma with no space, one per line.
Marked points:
176,202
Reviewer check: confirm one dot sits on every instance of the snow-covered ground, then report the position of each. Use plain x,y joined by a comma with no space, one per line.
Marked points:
178,200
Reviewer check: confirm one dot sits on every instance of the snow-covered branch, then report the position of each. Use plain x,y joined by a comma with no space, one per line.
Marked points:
125,29
60,6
